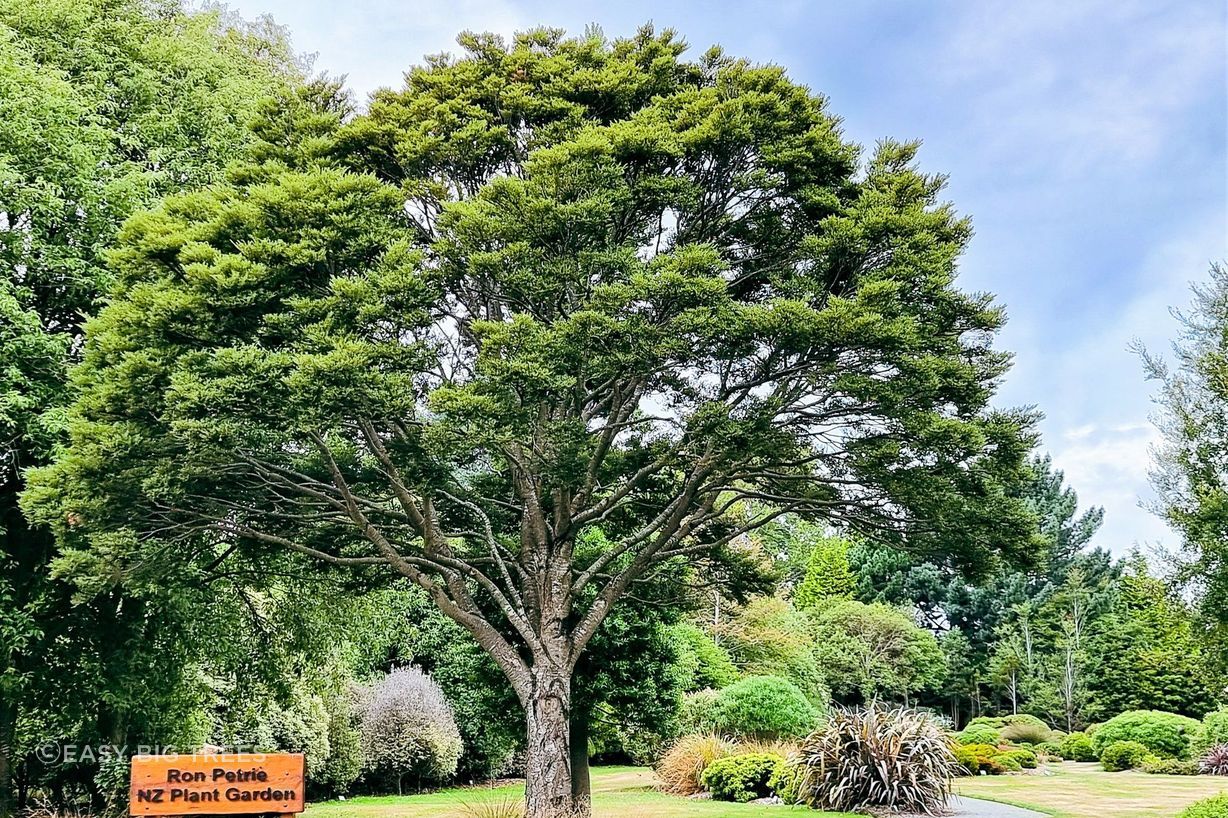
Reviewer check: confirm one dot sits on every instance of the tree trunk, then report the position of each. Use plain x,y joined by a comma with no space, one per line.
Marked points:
8,734
581,785
548,783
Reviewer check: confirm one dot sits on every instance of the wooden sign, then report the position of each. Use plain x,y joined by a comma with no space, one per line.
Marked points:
218,784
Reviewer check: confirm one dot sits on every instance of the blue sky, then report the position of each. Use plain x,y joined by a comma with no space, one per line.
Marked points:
1087,139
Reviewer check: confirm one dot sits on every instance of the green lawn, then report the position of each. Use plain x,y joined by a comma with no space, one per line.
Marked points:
1086,791
625,792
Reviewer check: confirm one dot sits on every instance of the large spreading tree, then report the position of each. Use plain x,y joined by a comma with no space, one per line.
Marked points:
548,287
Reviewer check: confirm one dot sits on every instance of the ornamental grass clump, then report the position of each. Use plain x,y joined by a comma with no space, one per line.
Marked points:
682,767
878,757
1214,761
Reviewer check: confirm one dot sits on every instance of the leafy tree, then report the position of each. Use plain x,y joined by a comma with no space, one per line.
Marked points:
408,729
876,651
769,637
1189,474
548,285
103,107
828,576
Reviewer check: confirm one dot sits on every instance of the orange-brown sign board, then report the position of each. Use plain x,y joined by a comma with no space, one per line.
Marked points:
218,784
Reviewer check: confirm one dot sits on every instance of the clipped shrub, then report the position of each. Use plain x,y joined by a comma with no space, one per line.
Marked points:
1002,764
978,734
877,757
999,722
1165,734
984,754
1025,758
743,777
967,759
1170,766
1212,731
764,707
1026,733
407,729
1078,747
1050,750
682,767
1214,761
1124,755
786,780
1213,807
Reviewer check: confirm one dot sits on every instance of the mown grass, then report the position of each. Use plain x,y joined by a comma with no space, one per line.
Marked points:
618,792
1076,790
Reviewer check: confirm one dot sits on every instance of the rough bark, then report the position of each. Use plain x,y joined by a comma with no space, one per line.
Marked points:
548,779
581,785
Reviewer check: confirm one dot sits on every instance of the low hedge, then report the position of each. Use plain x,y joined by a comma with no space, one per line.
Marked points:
1124,755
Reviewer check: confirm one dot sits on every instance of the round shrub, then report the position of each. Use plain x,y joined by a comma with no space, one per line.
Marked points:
1170,766
1214,761
984,755
978,734
764,707
876,757
1026,733
1212,731
786,781
1050,750
742,777
1077,747
407,729
1124,755
1165,734
967,759
1025,758
684,763
1214,807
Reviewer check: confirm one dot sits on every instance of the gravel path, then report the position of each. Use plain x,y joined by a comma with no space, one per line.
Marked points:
975,808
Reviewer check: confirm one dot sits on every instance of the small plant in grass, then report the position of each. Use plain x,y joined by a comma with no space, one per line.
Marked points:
742,777
1078,747
1214,807
877,757
1124,755
1214,761
683,765
500,808
1170,766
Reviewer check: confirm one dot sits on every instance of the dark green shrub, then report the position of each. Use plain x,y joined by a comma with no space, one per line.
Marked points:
764,707
1214,807
1124,755
786,780
875,757
1026,758
742,777
978,734
1165,734
1212,731
1170,766
1078,747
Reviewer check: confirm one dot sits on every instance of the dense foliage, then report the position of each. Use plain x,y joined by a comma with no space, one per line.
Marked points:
742,777
764,707
1165,734
1124,755
877,757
